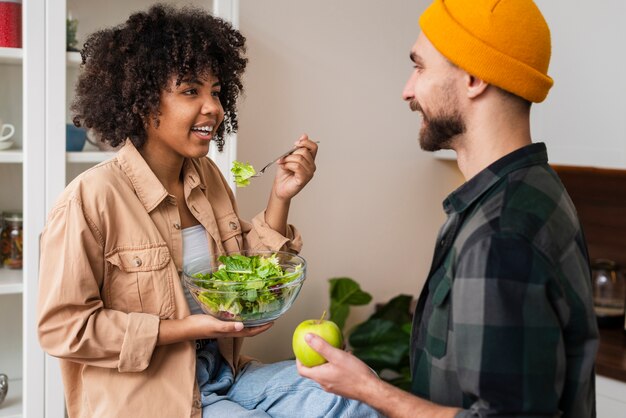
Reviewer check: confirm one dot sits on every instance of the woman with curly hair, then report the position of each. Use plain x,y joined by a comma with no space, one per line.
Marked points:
163,85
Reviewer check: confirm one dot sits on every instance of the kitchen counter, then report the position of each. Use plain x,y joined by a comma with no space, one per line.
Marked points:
611,359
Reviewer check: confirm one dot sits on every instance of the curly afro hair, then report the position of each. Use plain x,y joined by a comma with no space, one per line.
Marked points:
125,68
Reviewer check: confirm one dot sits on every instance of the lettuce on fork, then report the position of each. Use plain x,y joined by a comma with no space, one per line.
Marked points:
242,173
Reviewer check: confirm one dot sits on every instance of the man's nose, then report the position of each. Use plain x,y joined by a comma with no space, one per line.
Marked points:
408,93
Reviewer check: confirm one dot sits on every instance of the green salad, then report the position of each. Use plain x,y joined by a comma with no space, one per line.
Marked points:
244,287
242,173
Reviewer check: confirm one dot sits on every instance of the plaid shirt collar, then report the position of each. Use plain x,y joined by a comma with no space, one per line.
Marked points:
463,197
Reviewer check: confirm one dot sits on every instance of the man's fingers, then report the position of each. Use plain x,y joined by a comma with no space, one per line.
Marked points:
320,345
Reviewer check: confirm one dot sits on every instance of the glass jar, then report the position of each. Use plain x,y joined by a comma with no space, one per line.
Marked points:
609,293
12,240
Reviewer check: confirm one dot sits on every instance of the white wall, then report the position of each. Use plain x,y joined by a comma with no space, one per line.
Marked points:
336,70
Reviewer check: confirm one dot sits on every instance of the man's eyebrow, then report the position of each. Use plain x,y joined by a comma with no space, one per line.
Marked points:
416,58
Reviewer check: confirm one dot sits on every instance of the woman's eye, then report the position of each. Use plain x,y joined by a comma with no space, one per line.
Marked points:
191,92
216,93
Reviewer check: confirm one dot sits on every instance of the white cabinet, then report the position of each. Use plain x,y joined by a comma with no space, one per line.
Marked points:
36,84
21,189
582,120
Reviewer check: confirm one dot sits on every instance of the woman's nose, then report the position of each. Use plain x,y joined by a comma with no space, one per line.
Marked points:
211,106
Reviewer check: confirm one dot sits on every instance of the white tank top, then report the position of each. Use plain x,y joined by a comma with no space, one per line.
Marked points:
196,254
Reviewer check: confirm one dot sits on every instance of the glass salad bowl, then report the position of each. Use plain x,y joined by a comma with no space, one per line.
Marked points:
254,287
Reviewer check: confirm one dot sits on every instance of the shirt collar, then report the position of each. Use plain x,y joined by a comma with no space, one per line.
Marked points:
470,191
149,189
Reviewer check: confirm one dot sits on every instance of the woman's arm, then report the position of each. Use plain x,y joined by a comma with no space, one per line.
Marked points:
197,327
294,172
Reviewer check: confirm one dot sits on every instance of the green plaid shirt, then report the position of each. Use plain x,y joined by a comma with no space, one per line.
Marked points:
505,324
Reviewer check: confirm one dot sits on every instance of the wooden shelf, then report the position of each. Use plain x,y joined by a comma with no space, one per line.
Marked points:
11,56
11,281
611,359
89,156
12,406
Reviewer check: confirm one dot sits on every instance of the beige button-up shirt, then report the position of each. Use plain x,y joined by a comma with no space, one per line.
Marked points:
111,259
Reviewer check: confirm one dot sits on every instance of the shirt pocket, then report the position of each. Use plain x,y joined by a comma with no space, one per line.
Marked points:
140,280
438,324
229,228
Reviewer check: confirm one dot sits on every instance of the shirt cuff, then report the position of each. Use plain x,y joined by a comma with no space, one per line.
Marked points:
140,339
269,238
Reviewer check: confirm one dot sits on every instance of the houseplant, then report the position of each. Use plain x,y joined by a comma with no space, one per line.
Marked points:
382,341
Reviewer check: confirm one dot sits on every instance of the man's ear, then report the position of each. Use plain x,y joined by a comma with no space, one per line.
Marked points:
475,86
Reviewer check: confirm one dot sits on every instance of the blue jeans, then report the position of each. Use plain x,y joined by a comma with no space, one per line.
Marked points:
272,390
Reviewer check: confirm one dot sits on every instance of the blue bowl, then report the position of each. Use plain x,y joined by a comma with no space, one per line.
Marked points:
74,138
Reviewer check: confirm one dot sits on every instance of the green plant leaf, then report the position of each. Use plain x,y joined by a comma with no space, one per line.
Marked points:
339,313
344,290
381,344
389,355
376,331
396,310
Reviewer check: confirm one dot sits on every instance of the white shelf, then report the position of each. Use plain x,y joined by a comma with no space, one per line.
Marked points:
11,282
14,56
12,405
74,59
11,56
11,156
89,156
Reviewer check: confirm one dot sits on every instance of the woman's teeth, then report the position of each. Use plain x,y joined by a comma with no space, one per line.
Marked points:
204,129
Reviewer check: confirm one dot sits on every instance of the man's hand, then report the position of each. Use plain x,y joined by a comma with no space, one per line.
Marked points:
347,376
341,372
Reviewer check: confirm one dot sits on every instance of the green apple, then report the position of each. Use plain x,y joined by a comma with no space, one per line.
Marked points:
328,330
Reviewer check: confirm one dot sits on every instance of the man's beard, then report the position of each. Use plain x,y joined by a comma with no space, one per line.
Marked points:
439,132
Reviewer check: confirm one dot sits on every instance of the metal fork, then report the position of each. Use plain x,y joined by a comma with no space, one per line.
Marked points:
271,163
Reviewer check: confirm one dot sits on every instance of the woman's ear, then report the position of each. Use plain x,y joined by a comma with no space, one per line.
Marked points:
474,86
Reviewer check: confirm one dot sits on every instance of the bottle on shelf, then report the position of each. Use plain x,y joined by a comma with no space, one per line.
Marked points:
11,240
609,293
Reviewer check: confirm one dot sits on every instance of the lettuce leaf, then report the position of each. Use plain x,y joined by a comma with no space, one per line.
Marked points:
246,286
242,173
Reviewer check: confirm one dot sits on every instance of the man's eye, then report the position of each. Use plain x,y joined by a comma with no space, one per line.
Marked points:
216,93
190,92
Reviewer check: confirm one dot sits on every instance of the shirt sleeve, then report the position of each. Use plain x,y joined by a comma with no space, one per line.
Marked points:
72,321
259,235
508,337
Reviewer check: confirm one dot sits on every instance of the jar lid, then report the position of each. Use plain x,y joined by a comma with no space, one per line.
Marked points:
604,264
12,216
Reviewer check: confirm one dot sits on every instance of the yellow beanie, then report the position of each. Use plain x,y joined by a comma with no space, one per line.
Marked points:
503,42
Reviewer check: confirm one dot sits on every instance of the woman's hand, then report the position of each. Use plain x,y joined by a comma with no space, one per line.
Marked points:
295,170
198,327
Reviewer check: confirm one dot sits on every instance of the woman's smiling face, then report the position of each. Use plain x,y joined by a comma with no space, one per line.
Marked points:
189,115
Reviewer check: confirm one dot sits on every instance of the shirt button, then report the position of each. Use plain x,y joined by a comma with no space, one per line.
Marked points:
232,225
137,262
177,225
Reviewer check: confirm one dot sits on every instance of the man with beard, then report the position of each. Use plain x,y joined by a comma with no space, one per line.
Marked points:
504,325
